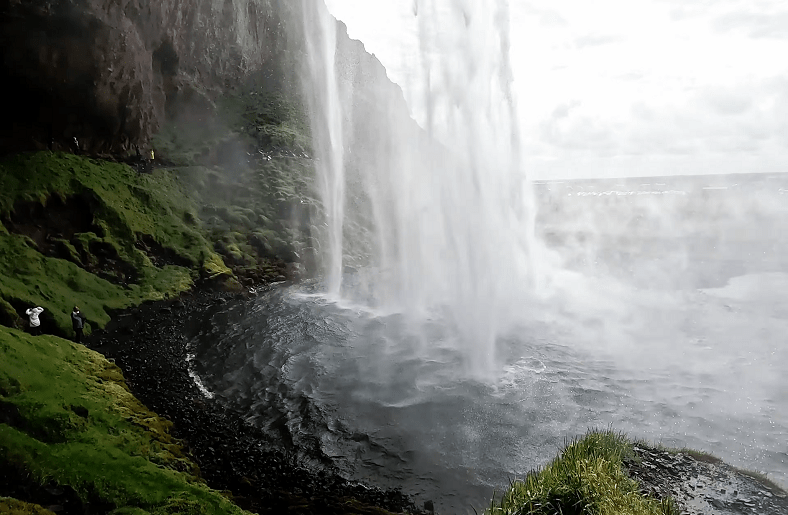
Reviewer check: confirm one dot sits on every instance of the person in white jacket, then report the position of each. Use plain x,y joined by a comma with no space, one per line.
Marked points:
35,323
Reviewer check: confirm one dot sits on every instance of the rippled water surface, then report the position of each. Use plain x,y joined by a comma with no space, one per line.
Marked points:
392,401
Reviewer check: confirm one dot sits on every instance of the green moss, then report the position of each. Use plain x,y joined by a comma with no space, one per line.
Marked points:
76,423
8,315
57,285
213,267
14,507
129,203
267,116
587,477
128,206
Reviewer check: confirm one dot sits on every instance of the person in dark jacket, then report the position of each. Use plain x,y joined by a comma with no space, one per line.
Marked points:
77,322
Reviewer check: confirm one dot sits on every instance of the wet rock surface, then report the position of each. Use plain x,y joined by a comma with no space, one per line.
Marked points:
705,485
149,343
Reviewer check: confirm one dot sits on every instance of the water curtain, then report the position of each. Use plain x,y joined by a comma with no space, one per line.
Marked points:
430,220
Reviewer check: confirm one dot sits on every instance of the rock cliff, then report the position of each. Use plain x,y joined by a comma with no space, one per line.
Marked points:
101,76
107,72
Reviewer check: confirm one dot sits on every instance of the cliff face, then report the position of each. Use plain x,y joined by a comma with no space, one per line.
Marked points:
108,72
213,83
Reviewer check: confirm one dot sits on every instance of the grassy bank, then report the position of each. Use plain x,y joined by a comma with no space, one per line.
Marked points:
91,233
586,478
76,230
80,231
70,420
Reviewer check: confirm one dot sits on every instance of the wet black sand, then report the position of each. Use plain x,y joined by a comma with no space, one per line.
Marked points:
149,344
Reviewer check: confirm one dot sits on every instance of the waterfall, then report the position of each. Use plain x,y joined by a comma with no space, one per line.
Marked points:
325,111
433,221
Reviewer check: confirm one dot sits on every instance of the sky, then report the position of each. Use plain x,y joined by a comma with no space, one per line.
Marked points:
615,88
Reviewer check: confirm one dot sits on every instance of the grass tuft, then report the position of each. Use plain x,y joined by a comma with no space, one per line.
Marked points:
586,478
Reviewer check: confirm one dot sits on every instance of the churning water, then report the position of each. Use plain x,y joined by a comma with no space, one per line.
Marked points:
448,349
384,395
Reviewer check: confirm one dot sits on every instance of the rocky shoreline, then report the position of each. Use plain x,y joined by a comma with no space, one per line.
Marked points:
149,343
703,485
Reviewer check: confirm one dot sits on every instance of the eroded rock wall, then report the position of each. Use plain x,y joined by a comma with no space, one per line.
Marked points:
108,72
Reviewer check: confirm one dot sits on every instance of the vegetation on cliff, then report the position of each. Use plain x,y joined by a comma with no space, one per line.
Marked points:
249,166
95,234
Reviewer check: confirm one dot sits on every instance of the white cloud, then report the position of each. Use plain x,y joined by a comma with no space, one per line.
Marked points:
755,25
622,86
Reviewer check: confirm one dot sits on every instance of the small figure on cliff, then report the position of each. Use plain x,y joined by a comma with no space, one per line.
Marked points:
77,322
35,323
148,165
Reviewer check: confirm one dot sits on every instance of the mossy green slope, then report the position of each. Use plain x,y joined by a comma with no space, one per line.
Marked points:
131,203
128,206
587,478
71,419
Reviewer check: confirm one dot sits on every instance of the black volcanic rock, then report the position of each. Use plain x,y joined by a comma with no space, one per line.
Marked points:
232,455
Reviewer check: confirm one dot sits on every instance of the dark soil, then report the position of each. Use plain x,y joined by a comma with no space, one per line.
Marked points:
149,344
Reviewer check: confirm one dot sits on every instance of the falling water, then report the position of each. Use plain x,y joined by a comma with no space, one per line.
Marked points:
325,111
445,214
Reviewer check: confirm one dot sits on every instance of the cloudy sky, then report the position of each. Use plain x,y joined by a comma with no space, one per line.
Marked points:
624,87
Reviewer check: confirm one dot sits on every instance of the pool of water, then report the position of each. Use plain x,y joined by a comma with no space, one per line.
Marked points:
392,400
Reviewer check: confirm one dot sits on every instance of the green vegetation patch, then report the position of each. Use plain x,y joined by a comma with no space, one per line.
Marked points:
69,418
138,238
128,203
268,116
586,478
28,278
